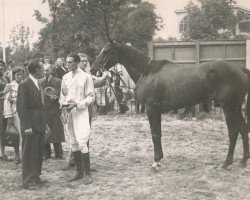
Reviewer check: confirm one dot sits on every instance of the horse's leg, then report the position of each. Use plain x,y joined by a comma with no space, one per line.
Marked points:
245,140
154,116
233,131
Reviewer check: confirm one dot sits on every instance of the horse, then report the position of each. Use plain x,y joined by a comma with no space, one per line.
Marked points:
164,86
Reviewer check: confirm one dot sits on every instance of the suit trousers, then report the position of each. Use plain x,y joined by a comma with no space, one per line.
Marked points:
57,148
32,159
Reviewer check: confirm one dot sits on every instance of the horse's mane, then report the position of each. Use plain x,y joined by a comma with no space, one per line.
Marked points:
156,65
148,64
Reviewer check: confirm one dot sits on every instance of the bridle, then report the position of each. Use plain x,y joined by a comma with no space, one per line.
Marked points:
106,60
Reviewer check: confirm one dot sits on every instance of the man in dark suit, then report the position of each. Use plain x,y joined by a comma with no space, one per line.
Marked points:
51,87
31,113
60,69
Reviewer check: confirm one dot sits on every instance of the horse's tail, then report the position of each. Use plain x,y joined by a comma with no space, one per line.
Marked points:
247,71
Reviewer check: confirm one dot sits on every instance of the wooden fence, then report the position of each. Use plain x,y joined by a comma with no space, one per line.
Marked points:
196,52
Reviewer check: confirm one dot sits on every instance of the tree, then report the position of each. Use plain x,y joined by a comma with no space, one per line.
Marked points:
86,25
19,44
210,19
7,51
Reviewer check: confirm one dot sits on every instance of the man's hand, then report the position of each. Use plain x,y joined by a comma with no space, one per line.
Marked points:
28,132
53,97
48,131
105,74
70,107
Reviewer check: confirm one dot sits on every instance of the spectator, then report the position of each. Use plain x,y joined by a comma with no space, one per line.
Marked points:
60,68
10,112
47,60
3,122
51,88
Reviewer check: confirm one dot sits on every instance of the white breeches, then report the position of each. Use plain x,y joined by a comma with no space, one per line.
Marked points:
78,129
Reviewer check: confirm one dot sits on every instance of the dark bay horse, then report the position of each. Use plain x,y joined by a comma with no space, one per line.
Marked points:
164,86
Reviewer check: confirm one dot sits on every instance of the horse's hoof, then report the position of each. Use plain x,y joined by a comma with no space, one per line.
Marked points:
154,169
243,164
226,164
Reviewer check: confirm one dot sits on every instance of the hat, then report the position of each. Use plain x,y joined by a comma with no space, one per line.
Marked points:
82,55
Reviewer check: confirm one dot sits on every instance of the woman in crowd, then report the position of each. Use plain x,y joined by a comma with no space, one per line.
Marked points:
10,112
3,91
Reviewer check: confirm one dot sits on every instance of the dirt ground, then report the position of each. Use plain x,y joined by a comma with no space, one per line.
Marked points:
122,153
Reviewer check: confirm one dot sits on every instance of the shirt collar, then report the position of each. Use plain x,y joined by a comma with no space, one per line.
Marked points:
48,78
75,72
35,81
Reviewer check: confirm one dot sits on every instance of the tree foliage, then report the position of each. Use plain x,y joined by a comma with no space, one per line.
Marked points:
19,44
86,25
210,19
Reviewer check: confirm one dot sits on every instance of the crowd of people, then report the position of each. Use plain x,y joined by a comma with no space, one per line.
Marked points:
41,102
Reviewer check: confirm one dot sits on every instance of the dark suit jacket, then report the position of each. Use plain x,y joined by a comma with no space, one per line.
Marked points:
29,106
56,84
59,72
53,111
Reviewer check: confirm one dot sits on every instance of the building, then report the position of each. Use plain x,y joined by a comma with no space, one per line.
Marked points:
242,13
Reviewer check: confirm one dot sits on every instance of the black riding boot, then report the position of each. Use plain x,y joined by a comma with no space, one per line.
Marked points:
79,166
87,176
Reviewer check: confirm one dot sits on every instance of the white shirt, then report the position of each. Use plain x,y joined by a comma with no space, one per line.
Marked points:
35,81
77,87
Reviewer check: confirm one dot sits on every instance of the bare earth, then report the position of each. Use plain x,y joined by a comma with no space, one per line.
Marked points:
122,153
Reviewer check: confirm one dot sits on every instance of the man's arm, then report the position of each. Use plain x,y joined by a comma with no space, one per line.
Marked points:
89,94
63,92
100,81
22,110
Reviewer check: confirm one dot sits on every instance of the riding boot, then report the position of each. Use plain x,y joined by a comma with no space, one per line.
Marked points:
87,176
79,166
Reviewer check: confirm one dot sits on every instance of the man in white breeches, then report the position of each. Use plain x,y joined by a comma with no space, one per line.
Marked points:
77,94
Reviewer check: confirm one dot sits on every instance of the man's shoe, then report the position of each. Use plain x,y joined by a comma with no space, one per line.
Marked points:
59,157
40,181
93,170
67,167
47,157
30,186
87,179
78,176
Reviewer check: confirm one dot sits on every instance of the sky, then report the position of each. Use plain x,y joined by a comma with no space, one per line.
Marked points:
17,11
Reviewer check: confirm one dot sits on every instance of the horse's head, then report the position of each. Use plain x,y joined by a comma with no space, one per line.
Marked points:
107,58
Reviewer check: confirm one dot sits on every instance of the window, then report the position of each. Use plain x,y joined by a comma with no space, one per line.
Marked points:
183,25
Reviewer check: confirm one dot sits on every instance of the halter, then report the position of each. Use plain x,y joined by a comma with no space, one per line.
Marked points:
102,68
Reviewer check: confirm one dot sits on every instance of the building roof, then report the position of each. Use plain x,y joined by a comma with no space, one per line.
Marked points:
235,7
